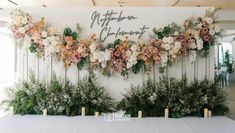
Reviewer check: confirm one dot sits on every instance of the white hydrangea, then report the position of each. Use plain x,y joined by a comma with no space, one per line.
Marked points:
93,47
24,20
193,45
217,29
164,40
209,20
22,30
167,46
199,44
51,45
170,40
44,34
177,45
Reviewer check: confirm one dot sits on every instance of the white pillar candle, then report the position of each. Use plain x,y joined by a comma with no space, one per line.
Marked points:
11,110
96,114
209,114
83,111
205,112
44,112
140,114
166,113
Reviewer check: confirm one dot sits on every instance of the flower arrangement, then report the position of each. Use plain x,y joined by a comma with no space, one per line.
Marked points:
32,97
38,34
21,24
179,96
72,50
172,42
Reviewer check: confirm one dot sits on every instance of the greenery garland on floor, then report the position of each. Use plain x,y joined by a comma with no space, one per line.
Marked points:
182,98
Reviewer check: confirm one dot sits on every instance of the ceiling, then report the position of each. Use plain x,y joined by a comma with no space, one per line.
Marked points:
224,4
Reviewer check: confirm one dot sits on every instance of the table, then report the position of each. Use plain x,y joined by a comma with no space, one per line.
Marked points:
91,124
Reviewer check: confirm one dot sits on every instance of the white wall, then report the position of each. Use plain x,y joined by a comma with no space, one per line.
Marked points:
152,17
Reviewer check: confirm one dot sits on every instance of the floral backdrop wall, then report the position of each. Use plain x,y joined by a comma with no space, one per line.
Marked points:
194,37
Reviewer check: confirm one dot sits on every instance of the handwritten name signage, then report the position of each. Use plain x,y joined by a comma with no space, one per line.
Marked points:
104,21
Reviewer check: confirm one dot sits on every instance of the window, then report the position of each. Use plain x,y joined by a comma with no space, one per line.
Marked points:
7,57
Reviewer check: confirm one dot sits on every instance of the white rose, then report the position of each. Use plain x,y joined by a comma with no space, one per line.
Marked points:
92,47
45,42
176,33
128,53
26,26
128,65
199,44
134,47
22,30
92,59
164,40
44,34
177,45
209,20
164,57
212,32
199,26
103,64
193,45
217,29
167,46
107,55
170,40
135,53
133,58
24,21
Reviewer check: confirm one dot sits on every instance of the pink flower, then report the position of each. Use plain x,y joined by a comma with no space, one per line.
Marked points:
17,35
206,38
117,53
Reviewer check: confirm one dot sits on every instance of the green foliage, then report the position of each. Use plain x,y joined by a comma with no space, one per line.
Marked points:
94,97
137,67
228,61
114,44
84,63
32,97
33,47
167,30
181,98
27,96
68,32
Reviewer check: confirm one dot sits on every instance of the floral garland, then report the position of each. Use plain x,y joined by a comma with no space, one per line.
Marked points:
172,42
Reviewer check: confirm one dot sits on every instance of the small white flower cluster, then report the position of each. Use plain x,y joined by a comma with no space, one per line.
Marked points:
51,43
132,55
213,29
172,47
20,21
99,56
